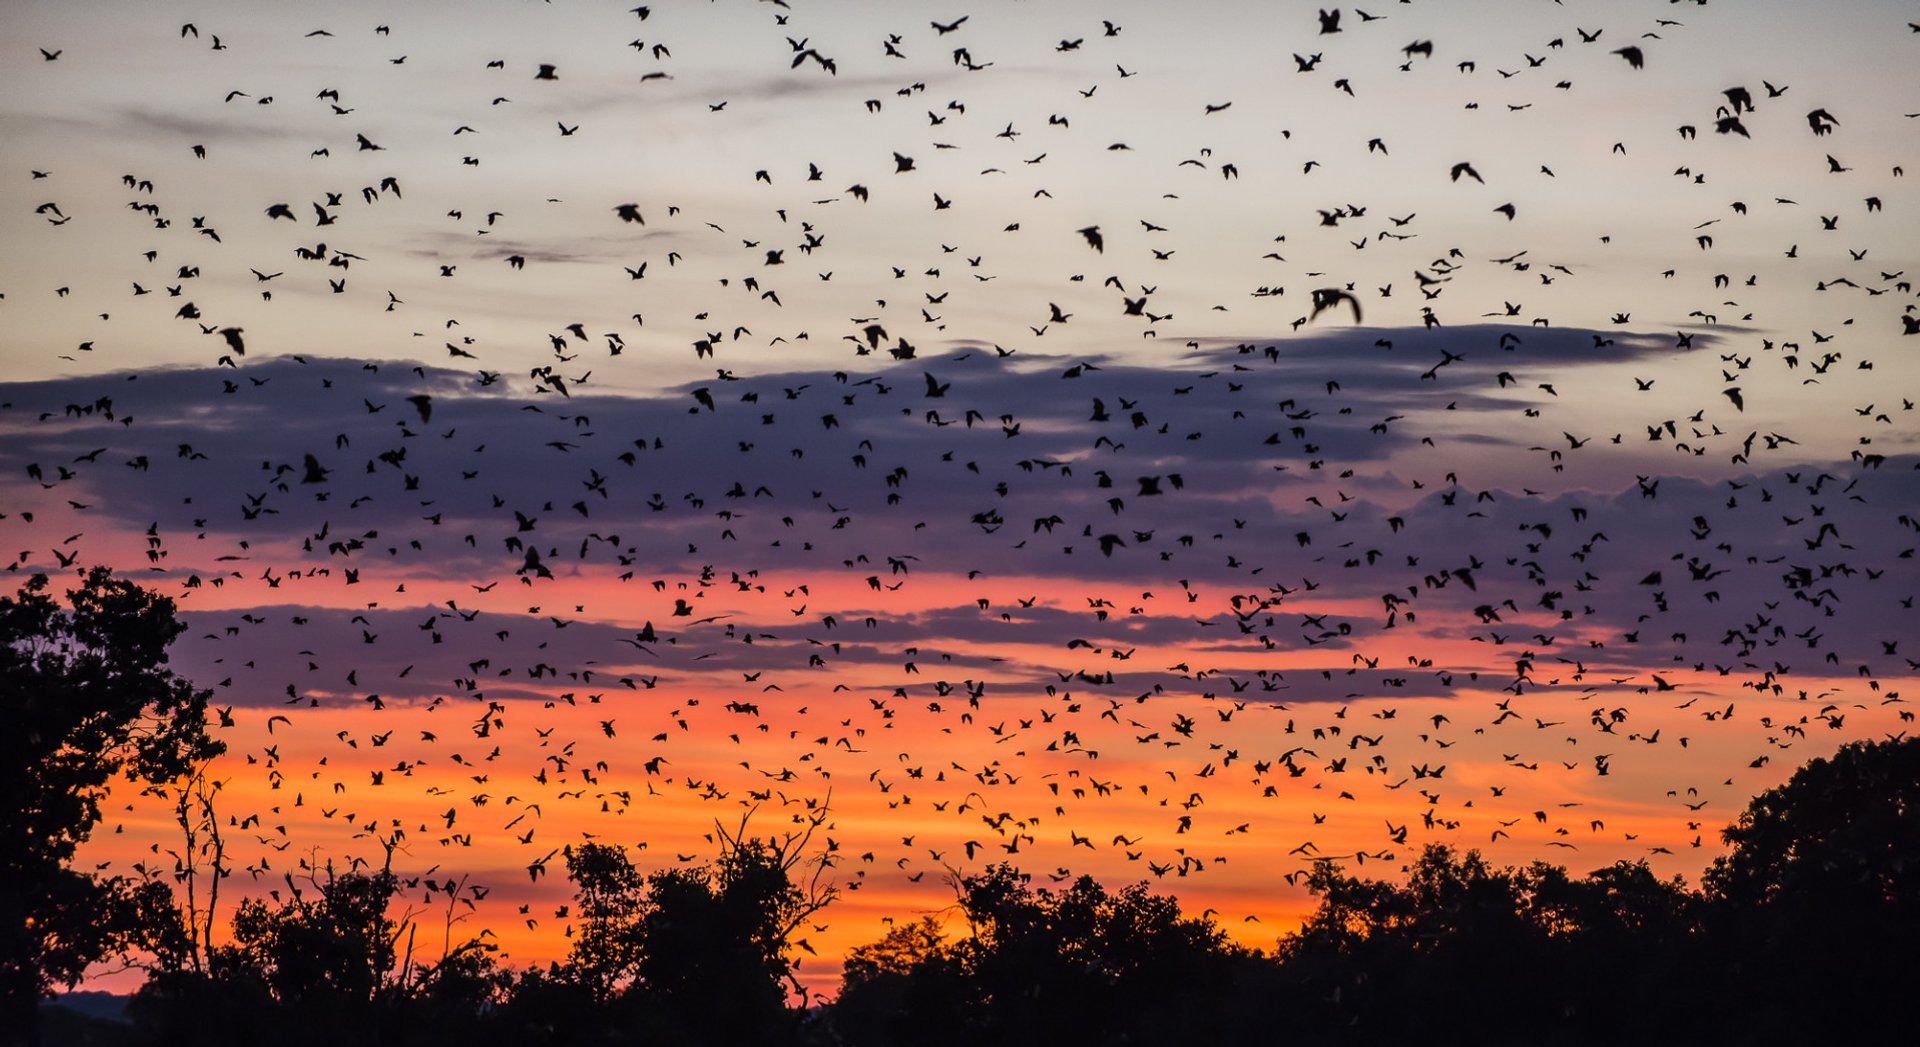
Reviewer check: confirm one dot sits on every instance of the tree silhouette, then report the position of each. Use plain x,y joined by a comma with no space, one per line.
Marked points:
611,895
315,965
456,999
910,986
335,948
1380,961
86,697
698,954
1078,965
1841,833
1376,953
1813,910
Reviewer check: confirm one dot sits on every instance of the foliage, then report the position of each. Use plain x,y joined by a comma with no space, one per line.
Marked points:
612,895
1382,960
1814,905
701,953
338,944
1081,963
86,697
1844,830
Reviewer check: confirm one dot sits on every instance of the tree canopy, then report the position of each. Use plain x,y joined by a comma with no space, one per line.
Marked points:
1080,964
1844,831
701,953
87,697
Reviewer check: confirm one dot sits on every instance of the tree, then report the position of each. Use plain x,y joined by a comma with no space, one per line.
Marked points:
1374,954
1842,832
203,849
1081,964
701,953
336,948
911,986
712,955
316,966
1388,962
1814,910
85,698
611,895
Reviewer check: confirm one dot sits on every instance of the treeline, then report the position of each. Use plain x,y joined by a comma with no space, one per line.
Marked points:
1805,931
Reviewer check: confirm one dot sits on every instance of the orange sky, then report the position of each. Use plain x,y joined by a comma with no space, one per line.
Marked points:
911,789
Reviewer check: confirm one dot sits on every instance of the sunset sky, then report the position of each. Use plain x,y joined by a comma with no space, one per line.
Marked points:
924,412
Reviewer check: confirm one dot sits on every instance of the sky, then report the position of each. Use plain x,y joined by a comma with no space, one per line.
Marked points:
1166,443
